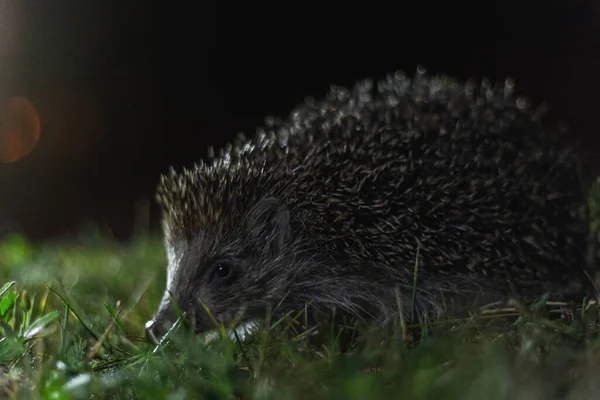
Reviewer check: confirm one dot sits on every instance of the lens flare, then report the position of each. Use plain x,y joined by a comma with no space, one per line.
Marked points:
19,129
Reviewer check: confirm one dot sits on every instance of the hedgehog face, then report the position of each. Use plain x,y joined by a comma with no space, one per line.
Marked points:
233,276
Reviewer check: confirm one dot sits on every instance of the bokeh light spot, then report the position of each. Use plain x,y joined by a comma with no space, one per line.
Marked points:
19,129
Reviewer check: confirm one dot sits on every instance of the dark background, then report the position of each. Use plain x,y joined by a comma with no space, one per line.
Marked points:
124,89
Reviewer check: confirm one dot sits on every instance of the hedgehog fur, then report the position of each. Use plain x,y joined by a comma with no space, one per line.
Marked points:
454,190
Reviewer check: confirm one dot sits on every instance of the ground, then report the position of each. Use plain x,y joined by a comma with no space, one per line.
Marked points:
72,314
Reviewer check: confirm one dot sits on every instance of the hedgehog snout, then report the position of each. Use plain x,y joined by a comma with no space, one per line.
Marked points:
158,326
154,331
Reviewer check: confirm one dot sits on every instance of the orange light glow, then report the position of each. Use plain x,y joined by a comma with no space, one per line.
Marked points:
19,129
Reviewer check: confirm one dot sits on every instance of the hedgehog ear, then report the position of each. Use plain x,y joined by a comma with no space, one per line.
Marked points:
268,225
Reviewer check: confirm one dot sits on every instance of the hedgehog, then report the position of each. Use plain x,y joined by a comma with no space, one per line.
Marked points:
399,195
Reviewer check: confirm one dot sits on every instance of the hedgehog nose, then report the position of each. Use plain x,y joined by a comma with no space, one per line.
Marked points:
154,331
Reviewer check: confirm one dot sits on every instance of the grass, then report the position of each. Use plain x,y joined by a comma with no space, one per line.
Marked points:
71,327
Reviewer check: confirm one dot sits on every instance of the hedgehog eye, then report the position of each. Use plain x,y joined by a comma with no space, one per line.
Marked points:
223,273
